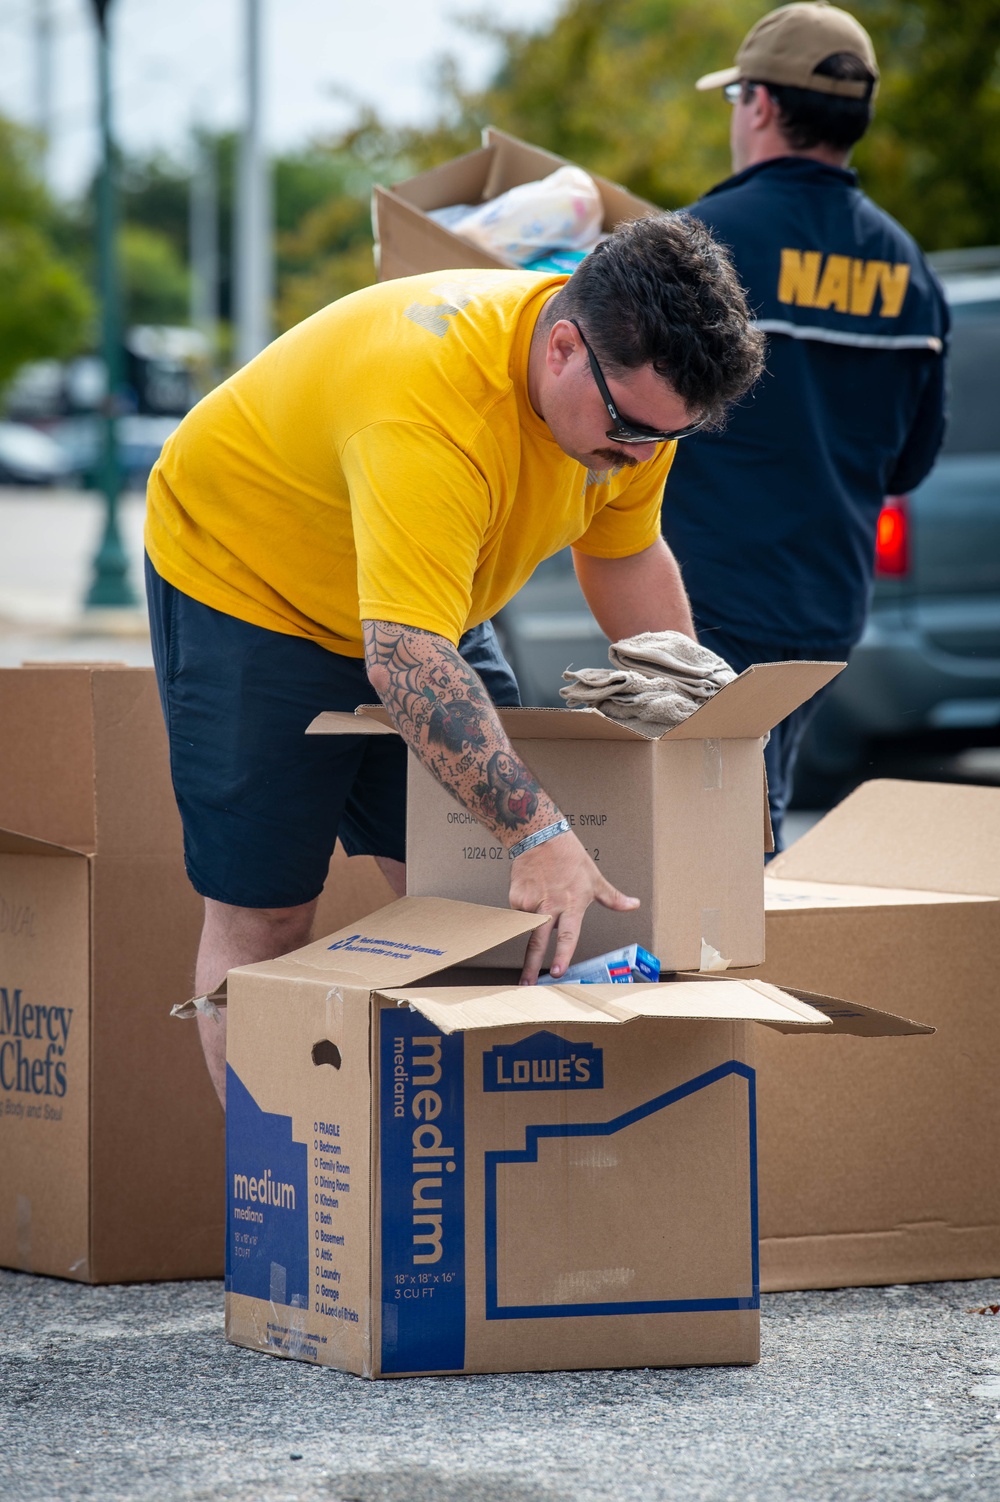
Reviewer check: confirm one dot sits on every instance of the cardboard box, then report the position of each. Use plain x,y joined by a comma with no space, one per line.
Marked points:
878,1164
676,821
407,241
111,1137
430,1176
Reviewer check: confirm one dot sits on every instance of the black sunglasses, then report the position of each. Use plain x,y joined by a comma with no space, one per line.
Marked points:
623,430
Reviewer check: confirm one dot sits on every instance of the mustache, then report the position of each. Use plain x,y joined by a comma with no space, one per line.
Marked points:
616,457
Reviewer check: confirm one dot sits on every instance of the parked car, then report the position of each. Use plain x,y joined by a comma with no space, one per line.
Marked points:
164,368
28,457
930,657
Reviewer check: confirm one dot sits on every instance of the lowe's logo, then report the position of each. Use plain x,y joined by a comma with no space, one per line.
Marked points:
543,1062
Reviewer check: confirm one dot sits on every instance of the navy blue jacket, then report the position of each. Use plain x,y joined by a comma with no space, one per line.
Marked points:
773,521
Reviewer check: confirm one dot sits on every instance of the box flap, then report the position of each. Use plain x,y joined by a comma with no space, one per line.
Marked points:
516,161
408,939
941,837
408,243
369,719
520,724
745,709
12,843
849,1017
464,1008
756,701
47,764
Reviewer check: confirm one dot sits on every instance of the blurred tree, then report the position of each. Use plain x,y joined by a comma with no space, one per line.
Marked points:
45,307
324,228
610,85
156,278
932,157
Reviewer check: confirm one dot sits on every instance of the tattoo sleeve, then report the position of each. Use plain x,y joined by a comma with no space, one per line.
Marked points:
441,708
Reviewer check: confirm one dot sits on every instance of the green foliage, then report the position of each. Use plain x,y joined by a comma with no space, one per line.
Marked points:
610,85
45,308
324,247
153,193
155,277
932,157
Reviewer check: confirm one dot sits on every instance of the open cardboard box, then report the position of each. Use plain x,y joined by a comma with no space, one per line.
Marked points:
111,1138
427,1175
676,821
408,242
877,1164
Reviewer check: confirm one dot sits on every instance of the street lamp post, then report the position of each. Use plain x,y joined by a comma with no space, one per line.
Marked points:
110,585
253,254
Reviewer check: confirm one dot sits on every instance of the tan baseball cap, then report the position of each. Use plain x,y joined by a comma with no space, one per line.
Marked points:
786,46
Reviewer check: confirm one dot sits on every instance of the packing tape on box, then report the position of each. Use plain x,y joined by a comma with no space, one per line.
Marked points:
212,1005
712,764
711,940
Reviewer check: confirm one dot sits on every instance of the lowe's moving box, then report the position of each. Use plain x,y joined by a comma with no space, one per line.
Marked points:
878,1165
111,1138
677,820
408,242
425,1175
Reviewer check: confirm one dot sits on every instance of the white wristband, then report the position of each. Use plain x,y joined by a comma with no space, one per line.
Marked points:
561,826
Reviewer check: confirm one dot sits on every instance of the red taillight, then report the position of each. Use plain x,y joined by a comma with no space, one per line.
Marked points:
892,540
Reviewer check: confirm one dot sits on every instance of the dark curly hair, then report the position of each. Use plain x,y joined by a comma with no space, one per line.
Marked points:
661,291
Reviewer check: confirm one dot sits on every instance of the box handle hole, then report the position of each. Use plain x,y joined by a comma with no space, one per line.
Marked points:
325,1052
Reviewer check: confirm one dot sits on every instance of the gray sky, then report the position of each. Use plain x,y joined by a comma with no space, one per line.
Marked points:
180,62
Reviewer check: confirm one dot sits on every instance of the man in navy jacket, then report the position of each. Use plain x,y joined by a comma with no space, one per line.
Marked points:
774,520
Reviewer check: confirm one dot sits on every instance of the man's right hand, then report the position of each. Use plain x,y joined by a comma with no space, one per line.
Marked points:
559,879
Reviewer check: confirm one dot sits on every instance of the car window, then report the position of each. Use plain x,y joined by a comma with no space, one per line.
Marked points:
974,379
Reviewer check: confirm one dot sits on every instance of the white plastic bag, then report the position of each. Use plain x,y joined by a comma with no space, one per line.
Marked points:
560,212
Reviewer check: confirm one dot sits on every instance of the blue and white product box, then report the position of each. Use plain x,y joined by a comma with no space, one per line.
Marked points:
633,963
432,1177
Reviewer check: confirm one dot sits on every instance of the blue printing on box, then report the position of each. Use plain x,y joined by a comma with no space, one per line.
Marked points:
267,1202
529,1154
543,1062
423,1194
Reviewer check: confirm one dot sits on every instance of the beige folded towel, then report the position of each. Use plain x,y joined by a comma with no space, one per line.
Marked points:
656,680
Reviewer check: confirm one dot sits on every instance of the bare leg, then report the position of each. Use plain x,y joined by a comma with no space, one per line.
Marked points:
234,936
241,936
394,873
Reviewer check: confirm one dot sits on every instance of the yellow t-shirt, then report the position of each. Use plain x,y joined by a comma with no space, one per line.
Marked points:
382,461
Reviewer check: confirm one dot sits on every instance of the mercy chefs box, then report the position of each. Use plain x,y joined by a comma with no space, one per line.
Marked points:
429,1176
111,1137
678,820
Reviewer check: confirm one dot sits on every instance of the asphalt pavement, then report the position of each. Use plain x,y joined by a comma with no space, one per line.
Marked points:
132,1393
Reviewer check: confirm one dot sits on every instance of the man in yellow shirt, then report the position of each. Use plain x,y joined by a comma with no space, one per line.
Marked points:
348,511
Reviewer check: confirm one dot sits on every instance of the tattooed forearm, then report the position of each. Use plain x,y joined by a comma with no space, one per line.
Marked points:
440,707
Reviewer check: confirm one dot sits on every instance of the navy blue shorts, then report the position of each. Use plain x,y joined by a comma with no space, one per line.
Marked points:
262,803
